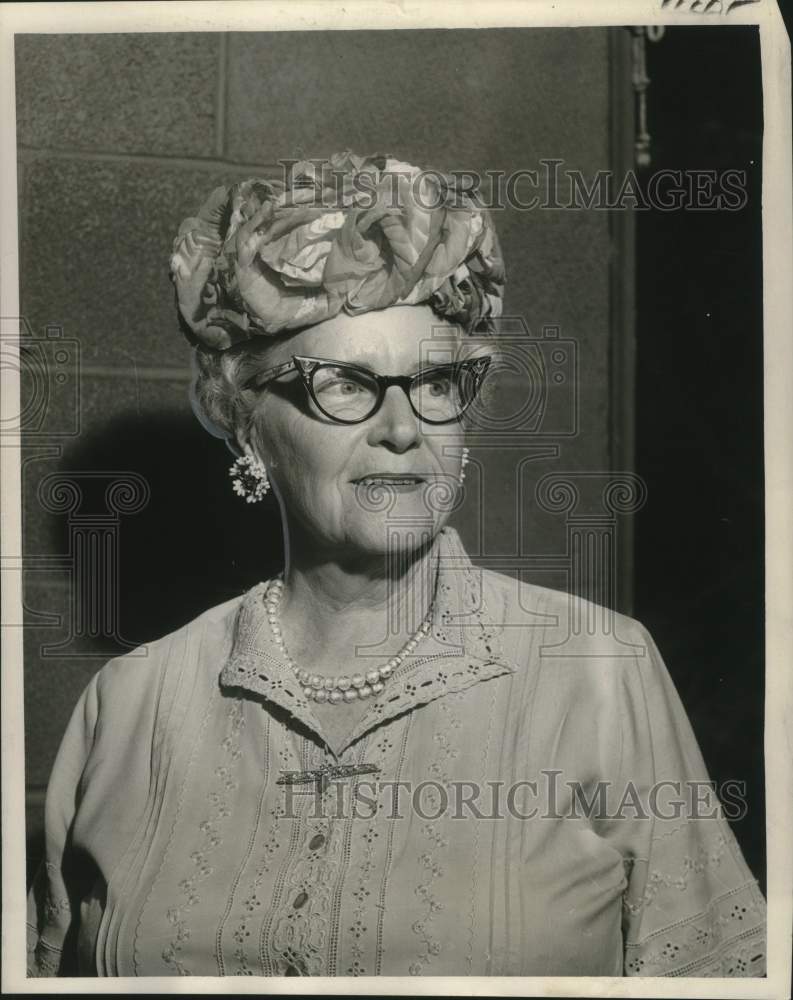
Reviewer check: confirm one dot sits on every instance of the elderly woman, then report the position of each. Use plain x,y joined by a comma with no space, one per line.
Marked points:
383,761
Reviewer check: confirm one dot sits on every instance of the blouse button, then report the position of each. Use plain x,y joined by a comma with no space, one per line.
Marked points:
316,841
299,900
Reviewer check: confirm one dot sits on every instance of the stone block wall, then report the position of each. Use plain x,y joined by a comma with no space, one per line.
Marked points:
120,137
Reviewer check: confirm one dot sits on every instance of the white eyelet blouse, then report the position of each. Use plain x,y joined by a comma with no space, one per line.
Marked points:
524,816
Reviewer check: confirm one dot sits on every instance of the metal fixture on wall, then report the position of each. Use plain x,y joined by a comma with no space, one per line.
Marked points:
641,81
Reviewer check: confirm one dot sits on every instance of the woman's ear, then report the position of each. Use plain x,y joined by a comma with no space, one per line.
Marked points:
241,444
233,447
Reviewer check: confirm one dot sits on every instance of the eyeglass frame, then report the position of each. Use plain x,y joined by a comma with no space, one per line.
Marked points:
306,367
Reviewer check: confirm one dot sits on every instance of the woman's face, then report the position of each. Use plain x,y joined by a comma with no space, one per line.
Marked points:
332,479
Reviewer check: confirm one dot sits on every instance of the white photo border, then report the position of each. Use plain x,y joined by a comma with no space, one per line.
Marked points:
777,219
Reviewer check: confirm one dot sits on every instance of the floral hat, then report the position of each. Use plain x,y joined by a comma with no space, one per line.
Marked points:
352,234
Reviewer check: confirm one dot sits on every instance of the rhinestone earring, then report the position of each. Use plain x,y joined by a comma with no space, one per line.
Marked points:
463,463
249,478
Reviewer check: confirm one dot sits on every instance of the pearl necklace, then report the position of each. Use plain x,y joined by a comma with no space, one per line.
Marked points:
335,690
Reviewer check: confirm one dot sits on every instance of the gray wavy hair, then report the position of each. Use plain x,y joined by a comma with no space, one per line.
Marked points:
217,396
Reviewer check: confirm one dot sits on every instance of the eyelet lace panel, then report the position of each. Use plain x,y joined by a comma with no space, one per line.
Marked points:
302,917
212,829
707,858
436,852
370,840
726,939
244,935
300,933
360,927
471,923
255,665
44,957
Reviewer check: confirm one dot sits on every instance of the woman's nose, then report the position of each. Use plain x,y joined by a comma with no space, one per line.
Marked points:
395,425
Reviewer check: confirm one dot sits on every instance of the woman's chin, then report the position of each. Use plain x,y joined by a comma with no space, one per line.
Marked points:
394,536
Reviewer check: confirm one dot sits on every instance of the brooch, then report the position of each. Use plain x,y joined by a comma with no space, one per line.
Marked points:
325,773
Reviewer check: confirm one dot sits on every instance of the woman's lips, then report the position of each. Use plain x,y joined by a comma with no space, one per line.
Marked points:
399,484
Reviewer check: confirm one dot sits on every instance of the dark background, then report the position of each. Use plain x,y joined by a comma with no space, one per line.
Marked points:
121,136
699,408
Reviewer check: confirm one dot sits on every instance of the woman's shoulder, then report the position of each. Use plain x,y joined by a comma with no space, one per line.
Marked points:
583,662
514,602
577,650
563,617
141,671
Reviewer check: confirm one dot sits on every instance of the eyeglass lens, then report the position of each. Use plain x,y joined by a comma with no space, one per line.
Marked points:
350,394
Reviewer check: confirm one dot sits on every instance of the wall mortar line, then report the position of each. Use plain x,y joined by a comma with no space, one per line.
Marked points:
29,154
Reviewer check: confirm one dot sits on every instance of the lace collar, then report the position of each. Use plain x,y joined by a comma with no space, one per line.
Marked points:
463,648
